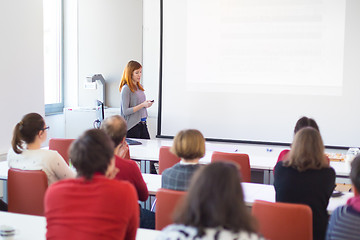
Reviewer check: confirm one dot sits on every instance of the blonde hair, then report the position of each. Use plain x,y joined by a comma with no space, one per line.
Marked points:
126,78
189,144
307,151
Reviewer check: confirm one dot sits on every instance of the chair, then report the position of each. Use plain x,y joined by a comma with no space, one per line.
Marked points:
282,221
166,159
61,145
166,201
26,190
241,159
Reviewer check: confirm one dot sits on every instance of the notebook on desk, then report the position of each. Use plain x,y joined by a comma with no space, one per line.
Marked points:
132,142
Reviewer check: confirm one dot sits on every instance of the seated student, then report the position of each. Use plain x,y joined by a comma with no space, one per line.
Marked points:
189,145
26,152
301,123
214,208
345,220
306,178
92,206
115,127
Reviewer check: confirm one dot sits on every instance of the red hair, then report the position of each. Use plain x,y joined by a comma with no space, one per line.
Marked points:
126,78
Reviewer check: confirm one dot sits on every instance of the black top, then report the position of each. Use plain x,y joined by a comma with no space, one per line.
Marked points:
311,187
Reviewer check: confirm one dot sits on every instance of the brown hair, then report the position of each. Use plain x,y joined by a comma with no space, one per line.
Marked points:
307,151
355,172
115,127
305,122
26,130
91,153
189,144
126,78
215,199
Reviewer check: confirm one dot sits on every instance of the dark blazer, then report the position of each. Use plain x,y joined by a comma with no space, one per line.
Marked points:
311,187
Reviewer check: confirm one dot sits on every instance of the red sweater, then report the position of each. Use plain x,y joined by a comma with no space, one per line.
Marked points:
97,209
129,171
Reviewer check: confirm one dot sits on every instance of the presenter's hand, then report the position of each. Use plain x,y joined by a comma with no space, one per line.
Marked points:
147,103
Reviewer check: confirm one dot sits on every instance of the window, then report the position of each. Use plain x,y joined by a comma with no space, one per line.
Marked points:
53,49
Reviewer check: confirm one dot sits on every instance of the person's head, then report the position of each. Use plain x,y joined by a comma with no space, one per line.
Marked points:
189,144
355,174
307,150
215,199
92,153
131,76
115,127
31,127
305,122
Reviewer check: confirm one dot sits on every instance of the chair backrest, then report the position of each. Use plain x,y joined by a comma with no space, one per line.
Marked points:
166,201
242,160
166,159
26,191
61,145
282,221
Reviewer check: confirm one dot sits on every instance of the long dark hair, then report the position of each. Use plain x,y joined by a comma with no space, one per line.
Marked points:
26,130
215,199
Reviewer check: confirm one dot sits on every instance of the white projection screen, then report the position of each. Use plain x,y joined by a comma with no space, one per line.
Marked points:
248,69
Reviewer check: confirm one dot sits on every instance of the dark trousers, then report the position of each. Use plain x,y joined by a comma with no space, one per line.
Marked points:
139,131
3,206
147,219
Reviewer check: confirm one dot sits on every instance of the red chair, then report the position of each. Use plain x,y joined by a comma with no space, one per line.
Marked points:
242,160
166,201
61,145
26,191
283,221
166,159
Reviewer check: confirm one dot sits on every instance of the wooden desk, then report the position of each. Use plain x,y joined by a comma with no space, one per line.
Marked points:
34,227
252,192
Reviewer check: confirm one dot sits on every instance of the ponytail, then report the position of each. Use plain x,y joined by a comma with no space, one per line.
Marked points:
16,141
26,130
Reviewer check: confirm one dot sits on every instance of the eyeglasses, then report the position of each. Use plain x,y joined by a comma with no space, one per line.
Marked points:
46,128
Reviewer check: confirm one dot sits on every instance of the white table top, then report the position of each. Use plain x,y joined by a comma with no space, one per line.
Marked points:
252,192
261,156
34,227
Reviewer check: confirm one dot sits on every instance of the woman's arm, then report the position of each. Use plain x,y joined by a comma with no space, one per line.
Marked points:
60,168
125,102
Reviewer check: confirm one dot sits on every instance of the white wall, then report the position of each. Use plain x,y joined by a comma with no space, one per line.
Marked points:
109,35
21,64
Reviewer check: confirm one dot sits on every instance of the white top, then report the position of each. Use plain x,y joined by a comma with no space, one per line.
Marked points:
49,161
182,232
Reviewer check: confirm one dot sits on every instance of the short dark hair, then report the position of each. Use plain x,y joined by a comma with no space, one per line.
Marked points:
305,122
355,172
215,199
115,127
91,153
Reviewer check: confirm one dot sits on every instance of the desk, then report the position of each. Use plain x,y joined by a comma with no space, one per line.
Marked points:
34,227
262,157
252,192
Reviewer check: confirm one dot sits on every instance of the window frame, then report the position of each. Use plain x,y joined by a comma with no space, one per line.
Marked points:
58,108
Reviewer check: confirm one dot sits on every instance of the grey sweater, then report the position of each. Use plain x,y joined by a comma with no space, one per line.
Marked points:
128,101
